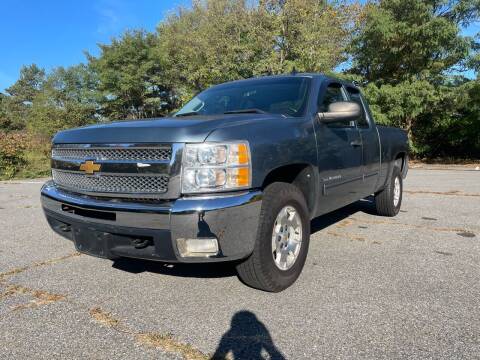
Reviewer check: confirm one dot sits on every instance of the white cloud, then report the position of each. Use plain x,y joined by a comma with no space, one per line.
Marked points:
114,17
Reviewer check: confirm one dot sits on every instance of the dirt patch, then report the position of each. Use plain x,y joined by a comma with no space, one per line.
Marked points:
40,297
344,223
103,317
13,290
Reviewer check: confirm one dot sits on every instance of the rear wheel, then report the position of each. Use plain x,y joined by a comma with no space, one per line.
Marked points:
282,240
389,200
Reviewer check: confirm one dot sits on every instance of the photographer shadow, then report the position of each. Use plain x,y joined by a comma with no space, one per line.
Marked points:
247,338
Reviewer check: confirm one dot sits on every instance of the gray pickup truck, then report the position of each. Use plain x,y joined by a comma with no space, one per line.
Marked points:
235,175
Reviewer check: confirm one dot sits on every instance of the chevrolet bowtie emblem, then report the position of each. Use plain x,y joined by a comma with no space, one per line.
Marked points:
90,167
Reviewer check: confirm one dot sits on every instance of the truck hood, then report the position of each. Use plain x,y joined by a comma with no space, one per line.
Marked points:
158,130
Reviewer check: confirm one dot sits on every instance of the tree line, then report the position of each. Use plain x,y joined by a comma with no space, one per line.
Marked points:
415,66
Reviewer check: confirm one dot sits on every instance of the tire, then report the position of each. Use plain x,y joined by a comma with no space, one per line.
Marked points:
260,270
385,200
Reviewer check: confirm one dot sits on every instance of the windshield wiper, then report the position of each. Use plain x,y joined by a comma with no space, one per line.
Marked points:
246,111
191,113
239,111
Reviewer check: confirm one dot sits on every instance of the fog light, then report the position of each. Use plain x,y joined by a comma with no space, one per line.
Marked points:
197,247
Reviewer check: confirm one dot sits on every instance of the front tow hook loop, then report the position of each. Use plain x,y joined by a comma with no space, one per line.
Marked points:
140,243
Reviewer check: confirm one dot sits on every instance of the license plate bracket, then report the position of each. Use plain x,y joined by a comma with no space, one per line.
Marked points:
92,242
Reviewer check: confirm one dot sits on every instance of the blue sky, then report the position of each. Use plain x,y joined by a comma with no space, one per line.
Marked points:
54,33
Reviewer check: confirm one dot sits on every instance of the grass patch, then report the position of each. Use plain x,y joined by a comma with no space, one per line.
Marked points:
168,343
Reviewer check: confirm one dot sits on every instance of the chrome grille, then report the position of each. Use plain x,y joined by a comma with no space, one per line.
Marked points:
153,153
125,184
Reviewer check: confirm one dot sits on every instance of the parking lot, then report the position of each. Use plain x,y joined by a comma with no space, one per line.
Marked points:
372,287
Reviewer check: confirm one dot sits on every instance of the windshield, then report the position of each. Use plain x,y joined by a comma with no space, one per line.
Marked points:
285,96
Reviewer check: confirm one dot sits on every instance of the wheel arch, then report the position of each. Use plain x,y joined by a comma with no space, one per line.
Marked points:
302,175
401,160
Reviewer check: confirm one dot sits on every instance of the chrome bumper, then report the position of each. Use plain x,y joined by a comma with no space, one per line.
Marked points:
106,228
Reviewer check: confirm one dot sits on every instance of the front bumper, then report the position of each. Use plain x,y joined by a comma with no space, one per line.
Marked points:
108,228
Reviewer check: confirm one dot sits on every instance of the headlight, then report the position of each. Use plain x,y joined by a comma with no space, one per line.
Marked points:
212,167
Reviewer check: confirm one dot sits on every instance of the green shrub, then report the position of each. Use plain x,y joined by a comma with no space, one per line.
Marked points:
23,155
37,158
12,147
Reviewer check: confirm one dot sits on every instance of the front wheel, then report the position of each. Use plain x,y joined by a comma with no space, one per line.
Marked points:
282,240
389,200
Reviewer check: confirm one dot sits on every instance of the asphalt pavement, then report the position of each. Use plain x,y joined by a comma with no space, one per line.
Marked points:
372,287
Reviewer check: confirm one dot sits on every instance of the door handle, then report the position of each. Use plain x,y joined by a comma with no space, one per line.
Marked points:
356,143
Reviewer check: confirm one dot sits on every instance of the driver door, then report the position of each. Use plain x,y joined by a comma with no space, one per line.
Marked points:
339,154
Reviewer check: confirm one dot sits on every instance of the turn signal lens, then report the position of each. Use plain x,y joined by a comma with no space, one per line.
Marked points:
238,154
238,177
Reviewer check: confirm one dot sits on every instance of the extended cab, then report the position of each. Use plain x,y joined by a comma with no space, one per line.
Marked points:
235,175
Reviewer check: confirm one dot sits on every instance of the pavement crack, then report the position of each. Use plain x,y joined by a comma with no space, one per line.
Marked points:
416,226
443,253
163,342
447,193
467,234
19,270
347,235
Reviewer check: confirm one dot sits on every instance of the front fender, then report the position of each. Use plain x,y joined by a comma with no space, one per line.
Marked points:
273,143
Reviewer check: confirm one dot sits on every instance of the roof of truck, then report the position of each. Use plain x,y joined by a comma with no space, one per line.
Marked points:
294,75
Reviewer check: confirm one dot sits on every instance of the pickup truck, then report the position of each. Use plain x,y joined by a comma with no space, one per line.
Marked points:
236,175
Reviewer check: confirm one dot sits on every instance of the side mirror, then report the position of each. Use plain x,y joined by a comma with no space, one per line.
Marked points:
341,111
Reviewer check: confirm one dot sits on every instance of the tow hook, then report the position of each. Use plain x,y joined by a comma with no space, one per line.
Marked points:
141,243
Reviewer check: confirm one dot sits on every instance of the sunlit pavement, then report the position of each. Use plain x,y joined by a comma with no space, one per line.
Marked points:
372,287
